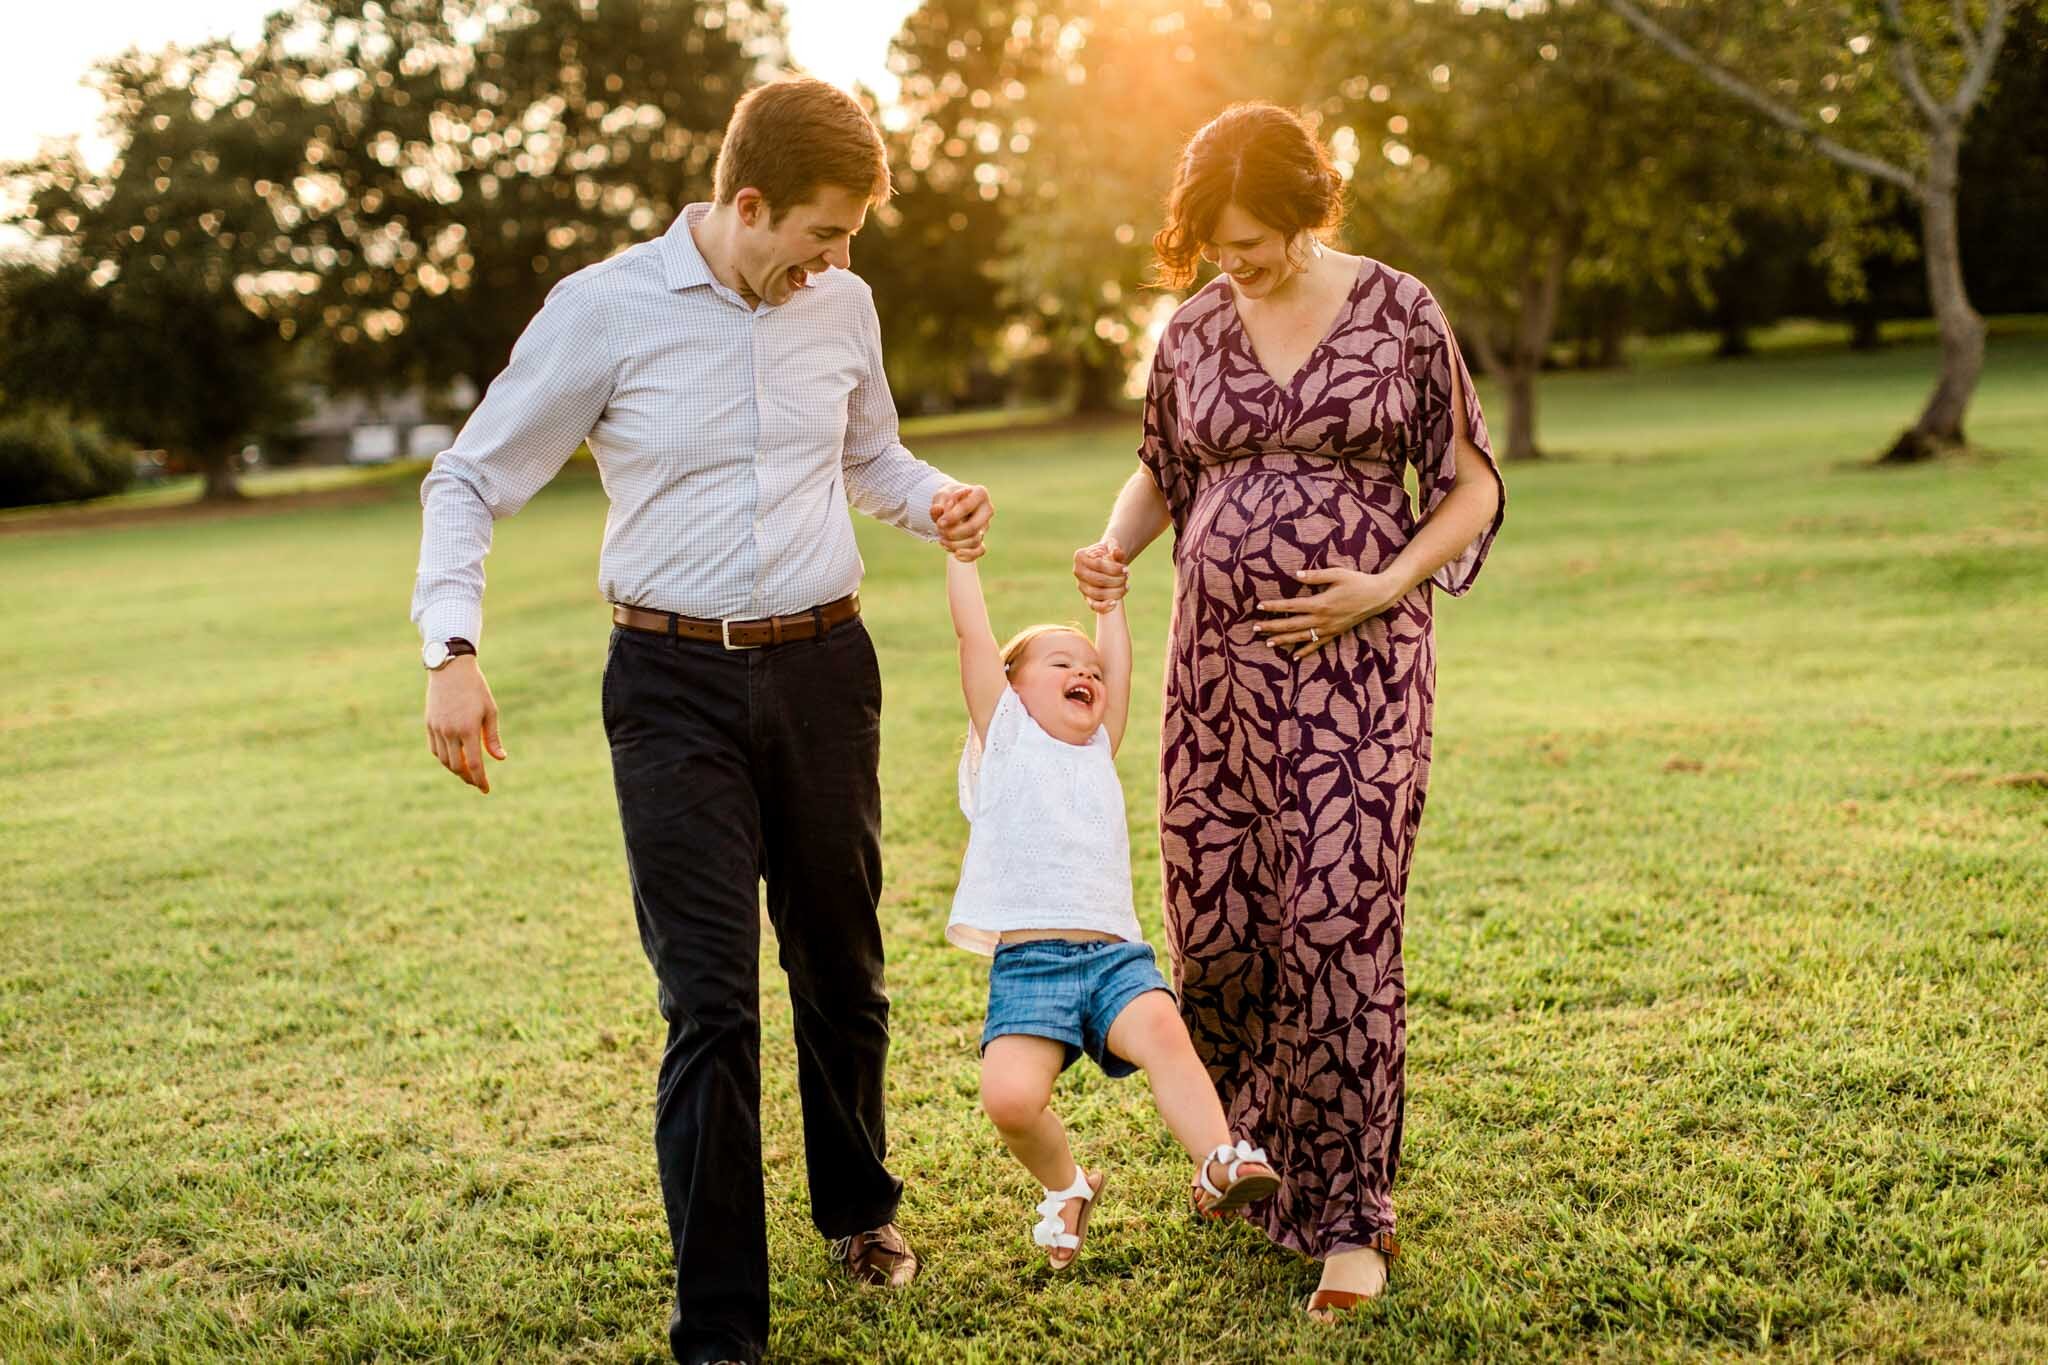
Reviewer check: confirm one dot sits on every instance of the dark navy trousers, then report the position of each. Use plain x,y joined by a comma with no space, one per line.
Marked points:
734,768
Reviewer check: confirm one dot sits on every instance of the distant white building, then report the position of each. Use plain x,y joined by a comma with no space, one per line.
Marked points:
375,429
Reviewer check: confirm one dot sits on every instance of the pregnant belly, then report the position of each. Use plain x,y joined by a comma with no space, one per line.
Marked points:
1259,521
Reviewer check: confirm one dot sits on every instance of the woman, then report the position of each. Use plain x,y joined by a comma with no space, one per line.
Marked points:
1286,398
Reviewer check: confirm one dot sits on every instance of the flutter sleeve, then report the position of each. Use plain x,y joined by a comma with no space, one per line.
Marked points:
1433,358
1159,448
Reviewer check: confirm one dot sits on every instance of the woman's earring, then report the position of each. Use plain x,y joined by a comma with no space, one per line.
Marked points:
1319,247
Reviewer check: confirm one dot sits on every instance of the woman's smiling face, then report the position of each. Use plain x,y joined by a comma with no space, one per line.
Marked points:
1059,680
1253,254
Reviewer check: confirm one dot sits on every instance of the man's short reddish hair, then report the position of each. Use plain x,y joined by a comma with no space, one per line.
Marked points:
790,137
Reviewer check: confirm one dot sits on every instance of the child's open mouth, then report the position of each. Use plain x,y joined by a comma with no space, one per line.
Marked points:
1082,693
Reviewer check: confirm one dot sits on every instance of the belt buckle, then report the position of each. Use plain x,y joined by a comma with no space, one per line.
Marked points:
725,636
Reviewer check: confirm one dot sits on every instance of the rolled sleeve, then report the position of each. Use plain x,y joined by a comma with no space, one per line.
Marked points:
536,413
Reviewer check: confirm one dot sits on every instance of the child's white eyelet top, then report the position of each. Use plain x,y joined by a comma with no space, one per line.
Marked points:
1049,848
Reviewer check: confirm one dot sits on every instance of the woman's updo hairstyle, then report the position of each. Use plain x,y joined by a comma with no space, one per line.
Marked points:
1263,158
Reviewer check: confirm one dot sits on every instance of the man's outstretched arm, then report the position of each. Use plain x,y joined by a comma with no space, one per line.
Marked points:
537,412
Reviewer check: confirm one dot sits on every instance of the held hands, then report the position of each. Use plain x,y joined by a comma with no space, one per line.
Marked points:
462,721
962,513
1305,624
1103,574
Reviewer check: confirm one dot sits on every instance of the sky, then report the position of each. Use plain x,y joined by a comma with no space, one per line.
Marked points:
50,46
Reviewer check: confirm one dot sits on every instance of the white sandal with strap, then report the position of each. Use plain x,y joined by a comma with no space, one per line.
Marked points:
1238,1189
1051,1230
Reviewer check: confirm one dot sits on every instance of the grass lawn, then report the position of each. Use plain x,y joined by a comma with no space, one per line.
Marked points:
1726,936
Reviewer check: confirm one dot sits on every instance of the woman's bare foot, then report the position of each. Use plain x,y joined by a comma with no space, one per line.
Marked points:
1349,1279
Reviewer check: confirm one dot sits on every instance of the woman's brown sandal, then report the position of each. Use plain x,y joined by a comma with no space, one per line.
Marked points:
1325,1304
1051,1231
1247,1178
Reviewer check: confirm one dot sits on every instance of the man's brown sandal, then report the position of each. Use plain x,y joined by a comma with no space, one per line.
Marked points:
1051,1231
1247,1178
881,1257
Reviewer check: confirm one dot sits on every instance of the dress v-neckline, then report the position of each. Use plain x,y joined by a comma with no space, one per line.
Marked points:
1336,320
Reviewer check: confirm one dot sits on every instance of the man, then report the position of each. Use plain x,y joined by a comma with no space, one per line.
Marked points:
728,378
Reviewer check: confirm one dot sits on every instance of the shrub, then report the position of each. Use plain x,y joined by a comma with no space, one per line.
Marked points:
45,458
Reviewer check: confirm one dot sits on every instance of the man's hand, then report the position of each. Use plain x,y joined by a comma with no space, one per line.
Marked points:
462,720
1102,573
962,513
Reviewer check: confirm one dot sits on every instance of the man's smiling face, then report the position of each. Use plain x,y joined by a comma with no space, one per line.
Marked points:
778,252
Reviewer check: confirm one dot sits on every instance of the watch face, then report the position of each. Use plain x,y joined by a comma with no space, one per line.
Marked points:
435,653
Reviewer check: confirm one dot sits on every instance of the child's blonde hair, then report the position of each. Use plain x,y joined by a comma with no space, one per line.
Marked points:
1021,641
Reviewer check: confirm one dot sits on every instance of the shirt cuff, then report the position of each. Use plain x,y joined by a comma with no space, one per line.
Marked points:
920,523
452,619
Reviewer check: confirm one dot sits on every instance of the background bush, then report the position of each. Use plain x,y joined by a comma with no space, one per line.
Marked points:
45,458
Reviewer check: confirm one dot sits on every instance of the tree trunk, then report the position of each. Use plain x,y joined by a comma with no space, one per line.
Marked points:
222,482
1542,292
1961,330
1519,382
1096,385
1613,351
1865,329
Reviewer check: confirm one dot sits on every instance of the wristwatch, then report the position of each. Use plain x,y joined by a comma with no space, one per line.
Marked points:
436,654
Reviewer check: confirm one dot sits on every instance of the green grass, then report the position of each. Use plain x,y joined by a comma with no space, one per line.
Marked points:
1726,935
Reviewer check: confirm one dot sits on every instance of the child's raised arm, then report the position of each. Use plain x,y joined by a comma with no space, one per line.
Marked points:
1113,646
981,659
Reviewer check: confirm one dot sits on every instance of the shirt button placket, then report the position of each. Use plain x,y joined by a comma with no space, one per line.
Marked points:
760,443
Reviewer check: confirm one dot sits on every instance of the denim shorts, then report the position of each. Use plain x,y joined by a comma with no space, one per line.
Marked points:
1069,992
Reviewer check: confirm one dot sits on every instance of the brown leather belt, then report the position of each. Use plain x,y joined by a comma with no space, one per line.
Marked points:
768,630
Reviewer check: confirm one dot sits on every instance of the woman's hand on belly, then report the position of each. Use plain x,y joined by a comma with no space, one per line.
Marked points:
1345,597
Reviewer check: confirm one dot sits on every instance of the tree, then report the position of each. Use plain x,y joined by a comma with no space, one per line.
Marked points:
1068,116
134,307
446,165
1514,160
1900,123
2003,196
929,255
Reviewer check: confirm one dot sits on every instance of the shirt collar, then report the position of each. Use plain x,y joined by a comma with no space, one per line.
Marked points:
681,261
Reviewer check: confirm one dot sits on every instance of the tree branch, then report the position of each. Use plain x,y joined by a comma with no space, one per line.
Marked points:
1965,35
1985,57
1862,162
1906,66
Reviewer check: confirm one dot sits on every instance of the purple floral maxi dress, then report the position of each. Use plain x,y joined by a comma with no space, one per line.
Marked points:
1291,790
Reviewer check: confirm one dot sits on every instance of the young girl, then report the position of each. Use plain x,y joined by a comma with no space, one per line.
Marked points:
1046,888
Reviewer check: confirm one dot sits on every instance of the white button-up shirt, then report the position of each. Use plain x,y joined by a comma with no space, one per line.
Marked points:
729,438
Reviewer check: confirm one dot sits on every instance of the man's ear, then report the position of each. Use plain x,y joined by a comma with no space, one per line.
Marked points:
751,206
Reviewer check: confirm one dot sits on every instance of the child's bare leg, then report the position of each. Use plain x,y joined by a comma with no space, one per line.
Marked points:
1017,1075
1149,1034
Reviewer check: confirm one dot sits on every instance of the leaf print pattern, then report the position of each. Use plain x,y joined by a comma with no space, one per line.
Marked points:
1291,790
